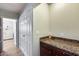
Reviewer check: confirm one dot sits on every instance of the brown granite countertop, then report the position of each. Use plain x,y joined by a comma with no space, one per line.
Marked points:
63,44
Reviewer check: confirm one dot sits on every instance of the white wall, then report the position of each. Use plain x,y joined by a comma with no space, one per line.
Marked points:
14,30
10,30
7,29
40,25
64,20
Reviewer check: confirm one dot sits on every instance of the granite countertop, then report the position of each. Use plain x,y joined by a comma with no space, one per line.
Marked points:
63,44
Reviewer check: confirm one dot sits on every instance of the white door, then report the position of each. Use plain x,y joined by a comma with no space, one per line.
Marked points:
25,33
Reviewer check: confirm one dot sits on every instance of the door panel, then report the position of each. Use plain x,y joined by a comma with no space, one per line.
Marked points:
25,33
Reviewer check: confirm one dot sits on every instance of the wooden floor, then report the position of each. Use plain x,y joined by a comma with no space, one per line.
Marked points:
9,49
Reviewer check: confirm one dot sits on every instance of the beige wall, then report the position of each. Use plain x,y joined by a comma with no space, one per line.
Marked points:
40,25
41,19
64,20
60,20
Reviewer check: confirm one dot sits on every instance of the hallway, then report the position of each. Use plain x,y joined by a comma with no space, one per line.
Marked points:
9,49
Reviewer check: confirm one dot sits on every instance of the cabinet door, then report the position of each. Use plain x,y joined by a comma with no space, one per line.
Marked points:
45,52
44,49
58,52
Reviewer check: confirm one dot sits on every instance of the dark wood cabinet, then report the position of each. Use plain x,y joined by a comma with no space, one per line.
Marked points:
48,50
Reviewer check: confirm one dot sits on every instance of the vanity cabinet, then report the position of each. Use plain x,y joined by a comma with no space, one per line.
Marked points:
48,50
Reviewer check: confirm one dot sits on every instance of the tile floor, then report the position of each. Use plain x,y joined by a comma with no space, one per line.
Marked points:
9,49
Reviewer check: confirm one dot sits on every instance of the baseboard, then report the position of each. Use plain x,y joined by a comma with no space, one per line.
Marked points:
8,39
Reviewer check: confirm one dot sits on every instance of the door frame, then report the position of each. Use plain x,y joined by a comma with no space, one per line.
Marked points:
1,34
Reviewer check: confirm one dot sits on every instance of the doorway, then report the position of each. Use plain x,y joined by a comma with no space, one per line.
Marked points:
9,38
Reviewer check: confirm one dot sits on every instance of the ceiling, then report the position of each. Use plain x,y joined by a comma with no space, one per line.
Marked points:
12,7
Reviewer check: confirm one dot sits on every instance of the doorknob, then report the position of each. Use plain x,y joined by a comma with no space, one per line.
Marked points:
23,35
